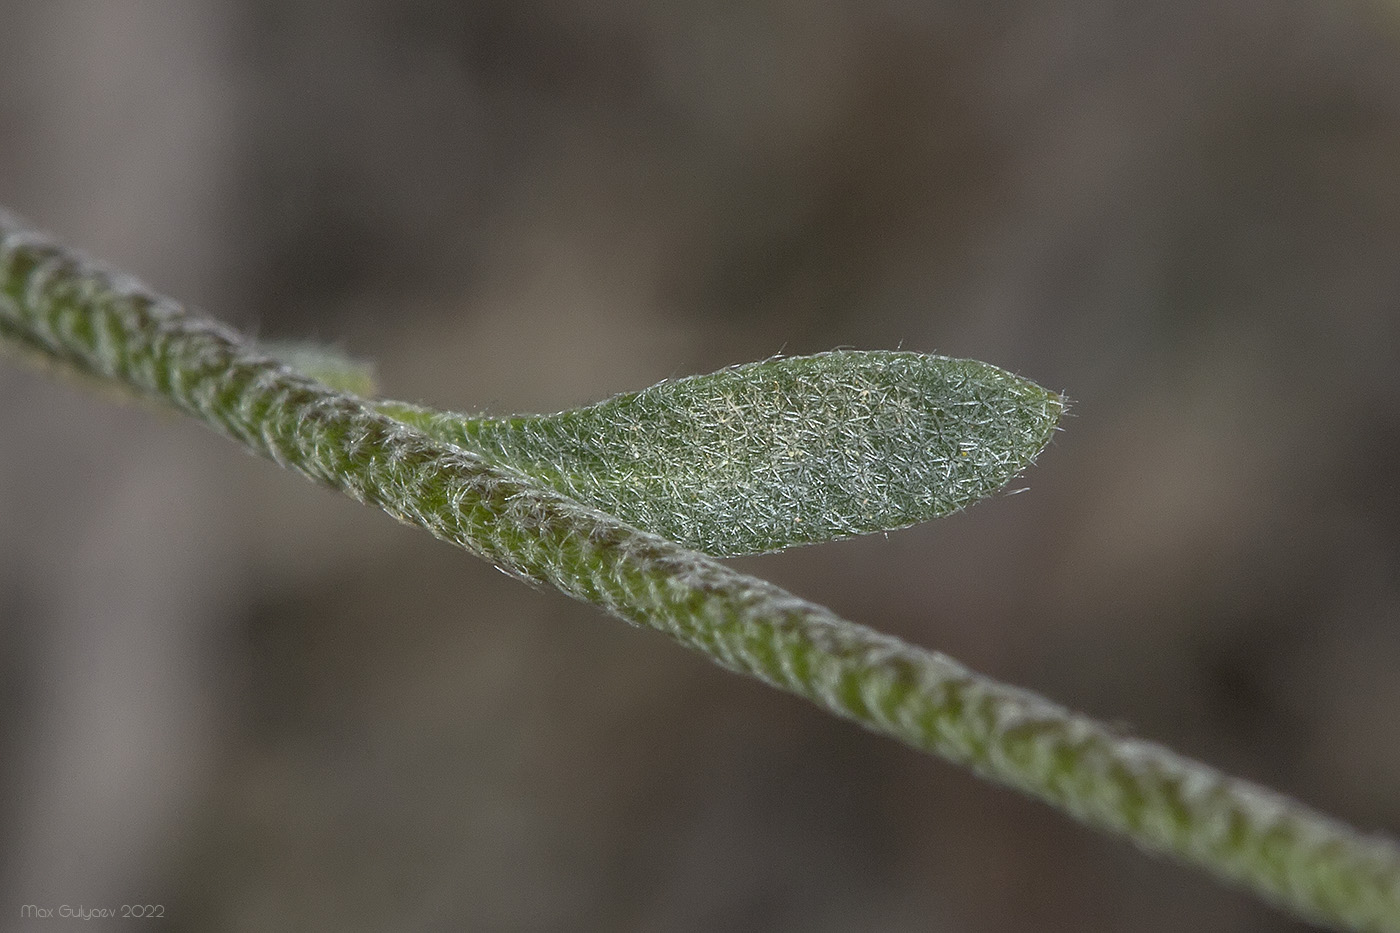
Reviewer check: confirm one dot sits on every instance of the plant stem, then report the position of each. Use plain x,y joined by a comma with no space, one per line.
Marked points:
69,311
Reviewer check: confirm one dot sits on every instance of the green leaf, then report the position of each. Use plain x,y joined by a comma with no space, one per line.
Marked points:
789,451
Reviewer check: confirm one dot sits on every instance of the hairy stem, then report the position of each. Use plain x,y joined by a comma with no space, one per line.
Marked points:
73,313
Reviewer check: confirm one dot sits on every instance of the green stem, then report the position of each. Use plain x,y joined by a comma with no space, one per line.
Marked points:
68,311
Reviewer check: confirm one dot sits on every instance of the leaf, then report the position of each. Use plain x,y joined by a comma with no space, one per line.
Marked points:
789,451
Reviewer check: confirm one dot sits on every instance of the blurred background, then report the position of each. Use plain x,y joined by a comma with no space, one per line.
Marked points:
262,706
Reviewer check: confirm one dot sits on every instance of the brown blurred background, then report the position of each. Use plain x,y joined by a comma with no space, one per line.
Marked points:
265,707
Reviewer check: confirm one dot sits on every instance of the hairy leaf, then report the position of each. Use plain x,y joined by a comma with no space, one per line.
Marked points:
789,451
